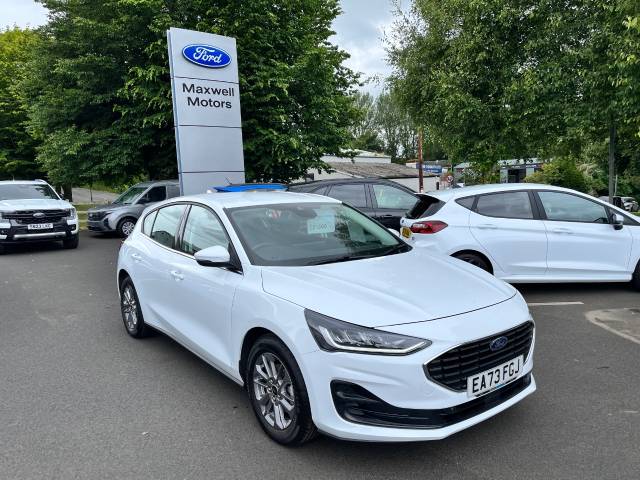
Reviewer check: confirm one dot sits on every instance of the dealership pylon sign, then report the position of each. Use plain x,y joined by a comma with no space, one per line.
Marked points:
206,109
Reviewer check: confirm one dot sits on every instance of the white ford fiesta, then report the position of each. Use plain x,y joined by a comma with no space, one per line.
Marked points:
330,321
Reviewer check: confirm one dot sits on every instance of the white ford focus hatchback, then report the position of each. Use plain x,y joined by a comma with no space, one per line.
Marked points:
529,233
330,321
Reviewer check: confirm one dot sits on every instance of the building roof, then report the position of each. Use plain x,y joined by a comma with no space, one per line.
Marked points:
375,170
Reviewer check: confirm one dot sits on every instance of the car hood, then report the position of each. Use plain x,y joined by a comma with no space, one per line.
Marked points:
33,204
108,207
392,290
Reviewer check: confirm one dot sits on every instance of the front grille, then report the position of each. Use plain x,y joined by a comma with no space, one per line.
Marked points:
26,217
452,368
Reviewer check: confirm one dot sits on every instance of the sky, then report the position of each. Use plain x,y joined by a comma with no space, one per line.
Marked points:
359,31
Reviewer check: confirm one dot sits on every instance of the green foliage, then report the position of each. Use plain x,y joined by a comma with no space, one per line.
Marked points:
562,172
17,148
499,79
100,91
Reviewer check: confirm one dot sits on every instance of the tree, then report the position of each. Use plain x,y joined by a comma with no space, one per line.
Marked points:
506,79
17,147
562,172
296,94
101,92
365,130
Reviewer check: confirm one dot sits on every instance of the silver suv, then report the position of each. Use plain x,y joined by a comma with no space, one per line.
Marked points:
31,211
121,215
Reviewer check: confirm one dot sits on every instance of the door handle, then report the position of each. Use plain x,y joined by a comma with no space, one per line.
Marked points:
137,258
177,275
386,216
566,231
488,226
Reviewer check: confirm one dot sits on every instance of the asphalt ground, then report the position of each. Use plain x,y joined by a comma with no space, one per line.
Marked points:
80,399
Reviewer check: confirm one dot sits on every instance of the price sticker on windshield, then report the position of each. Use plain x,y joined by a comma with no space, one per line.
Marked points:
323,223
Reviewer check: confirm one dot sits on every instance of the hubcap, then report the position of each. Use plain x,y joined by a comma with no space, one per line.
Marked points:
273,390
127,228
129,309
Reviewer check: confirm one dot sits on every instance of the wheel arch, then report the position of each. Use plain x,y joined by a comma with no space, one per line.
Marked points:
479,254
122,274
247,342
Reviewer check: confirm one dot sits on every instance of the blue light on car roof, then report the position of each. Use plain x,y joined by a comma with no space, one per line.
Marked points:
249,187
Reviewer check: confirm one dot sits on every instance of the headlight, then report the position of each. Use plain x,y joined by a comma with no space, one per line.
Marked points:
334,335
72,215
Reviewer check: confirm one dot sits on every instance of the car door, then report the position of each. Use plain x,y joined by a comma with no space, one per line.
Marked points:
506,226
391,203
582,241
153,259
204,295
355,194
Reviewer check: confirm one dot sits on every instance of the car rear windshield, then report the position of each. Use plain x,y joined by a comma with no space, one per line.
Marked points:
425,207
27,191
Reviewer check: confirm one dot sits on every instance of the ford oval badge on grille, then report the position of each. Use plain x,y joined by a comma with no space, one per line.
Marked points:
498,343
38,215
206,56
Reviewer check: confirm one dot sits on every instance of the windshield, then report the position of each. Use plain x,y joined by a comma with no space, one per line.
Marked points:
24,191
310,234
130,196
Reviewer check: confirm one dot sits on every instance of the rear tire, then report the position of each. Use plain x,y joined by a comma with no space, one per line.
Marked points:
71,243
125,227
277,392
475,260
131,311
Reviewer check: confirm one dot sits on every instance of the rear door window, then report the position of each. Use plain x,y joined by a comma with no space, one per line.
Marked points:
390,197
505,205
165,227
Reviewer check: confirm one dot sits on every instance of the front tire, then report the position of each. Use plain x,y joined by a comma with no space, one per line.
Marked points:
131,311
71,243
277,392
125,227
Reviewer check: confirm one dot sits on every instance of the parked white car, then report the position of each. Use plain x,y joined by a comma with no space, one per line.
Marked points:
529,233
324,316
32,211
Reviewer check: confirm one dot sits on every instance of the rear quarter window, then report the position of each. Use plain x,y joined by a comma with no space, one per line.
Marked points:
466,202
425,207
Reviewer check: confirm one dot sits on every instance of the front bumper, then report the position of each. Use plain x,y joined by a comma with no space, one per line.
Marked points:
12,232
99,225
394,400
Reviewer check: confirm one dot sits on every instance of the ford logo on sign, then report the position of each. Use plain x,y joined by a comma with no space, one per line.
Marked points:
498,343
206,56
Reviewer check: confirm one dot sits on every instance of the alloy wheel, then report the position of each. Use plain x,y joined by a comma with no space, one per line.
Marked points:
129,308
273,390
127,228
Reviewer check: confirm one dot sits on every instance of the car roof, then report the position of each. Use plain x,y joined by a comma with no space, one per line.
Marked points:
453,193
148,183
331,181
255,197
23,182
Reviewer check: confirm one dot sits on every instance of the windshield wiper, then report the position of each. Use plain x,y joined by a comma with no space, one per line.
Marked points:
346,258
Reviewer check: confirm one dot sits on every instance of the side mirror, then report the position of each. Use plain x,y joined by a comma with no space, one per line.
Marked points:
617,220
213,257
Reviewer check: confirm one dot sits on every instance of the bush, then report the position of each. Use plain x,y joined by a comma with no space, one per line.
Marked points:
562,172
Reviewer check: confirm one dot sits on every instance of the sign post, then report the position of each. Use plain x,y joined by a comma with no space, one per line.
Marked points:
206,109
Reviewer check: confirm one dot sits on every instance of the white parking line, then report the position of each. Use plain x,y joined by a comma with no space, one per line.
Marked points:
553,304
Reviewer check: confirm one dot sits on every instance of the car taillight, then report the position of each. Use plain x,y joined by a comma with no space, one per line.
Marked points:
431,226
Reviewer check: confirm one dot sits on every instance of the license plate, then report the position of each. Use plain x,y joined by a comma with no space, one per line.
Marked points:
40,226
405,232
488,380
